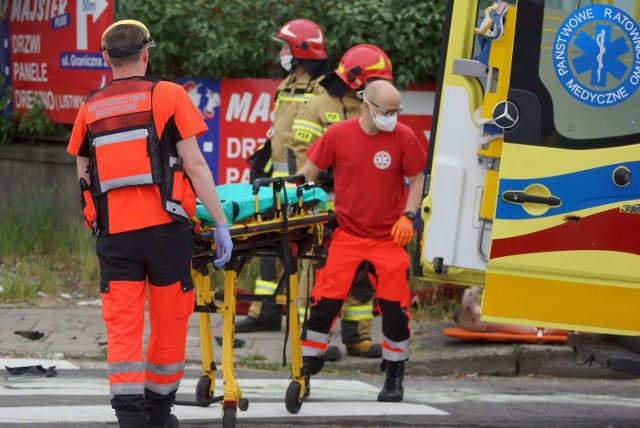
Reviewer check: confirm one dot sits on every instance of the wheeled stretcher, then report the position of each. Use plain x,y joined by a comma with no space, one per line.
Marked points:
267,219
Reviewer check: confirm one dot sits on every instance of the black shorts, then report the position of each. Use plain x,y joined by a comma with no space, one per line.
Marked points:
159,254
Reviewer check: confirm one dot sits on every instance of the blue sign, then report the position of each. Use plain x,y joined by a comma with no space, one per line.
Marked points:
596,55
205,95
5,70
82,61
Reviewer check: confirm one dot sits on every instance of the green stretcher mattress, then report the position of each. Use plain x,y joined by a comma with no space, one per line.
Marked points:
238,201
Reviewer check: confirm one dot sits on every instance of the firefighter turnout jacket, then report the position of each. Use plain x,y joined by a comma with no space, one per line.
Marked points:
291,96
314,119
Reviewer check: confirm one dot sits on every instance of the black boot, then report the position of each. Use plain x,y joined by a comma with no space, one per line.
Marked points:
311,366
132,420
393,390
172,422
251,324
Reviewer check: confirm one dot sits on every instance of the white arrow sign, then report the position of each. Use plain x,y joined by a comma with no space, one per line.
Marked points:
84,8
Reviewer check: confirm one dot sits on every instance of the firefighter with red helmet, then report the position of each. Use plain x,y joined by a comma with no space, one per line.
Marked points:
140,168
303,56
358,66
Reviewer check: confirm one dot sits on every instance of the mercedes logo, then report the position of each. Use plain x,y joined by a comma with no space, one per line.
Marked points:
505,114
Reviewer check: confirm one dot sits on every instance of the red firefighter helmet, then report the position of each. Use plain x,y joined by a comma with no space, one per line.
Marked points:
305,38
361,63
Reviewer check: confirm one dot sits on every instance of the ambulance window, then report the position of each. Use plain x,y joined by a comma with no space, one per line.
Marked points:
590,65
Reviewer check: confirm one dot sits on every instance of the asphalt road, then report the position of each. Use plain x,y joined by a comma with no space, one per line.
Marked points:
79,398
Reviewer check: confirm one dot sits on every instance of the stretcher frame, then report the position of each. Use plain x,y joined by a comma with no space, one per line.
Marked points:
288,234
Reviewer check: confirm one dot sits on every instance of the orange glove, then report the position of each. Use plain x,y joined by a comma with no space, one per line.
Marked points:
402,231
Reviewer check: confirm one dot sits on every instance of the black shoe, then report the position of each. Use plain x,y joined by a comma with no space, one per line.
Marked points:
133,420
172,422
310,366
251,324
307,382
332,353
393,391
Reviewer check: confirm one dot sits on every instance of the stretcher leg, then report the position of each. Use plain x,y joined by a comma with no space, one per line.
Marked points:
232,395
207,382
297,387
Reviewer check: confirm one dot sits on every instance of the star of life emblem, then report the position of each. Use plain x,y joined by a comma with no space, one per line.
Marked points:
596,55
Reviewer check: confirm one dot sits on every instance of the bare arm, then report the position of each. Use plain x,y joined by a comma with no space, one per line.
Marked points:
310,170
197,169
414,199
82,163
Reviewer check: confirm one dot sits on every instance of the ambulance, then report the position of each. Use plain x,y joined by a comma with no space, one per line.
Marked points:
534,172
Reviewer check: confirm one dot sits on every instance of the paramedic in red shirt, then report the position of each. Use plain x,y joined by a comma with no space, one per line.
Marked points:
371,155
140,168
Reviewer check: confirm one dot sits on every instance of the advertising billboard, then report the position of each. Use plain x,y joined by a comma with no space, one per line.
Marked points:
239,113
54,49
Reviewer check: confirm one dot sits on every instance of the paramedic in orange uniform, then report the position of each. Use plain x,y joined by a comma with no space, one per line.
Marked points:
371,155
140,169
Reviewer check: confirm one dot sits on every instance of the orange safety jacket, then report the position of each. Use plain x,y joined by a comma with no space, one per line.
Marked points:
125,151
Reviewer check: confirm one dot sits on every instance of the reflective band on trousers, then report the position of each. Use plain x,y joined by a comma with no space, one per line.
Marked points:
165,369
126,367
314,344
265,287
162,388
395,351
302,312
126,388
357,313
280,169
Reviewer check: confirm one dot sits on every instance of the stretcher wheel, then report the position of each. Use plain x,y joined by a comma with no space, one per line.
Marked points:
229,417
203,393
292,400
243,404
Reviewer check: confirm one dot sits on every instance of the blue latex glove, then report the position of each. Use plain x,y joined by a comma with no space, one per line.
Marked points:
224,245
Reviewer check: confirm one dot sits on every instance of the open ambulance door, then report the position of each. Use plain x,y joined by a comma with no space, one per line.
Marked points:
465,149
565,240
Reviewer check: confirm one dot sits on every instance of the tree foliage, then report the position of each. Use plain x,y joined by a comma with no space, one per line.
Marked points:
233,38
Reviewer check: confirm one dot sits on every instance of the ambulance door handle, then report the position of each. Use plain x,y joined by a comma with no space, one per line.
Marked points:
517,197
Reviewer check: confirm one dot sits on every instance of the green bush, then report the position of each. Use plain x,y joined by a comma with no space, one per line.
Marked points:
34,121
233,38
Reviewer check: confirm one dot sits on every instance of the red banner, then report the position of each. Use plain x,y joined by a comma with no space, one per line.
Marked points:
245,118
54,48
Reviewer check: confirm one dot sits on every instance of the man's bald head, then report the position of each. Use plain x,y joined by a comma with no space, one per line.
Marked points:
383,94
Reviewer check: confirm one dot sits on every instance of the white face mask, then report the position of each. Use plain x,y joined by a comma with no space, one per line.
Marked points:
285,62
383,123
